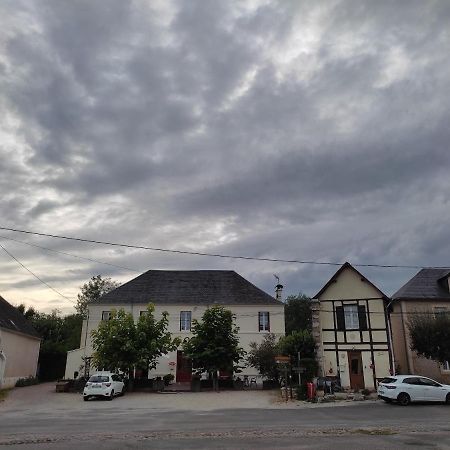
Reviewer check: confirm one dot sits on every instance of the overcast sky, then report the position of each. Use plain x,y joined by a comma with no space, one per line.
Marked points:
312,130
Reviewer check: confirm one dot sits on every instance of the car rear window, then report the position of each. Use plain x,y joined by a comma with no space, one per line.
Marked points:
388,380
99,379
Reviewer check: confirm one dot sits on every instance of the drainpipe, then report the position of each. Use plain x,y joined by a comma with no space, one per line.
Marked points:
391,342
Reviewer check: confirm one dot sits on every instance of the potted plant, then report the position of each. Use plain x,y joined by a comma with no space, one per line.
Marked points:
168,379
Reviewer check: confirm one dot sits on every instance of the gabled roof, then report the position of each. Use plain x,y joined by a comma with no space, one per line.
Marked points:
193,287
426,284
12,319
344,266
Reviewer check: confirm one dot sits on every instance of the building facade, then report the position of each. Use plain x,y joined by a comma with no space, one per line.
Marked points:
350,327
19,346
185,295
427,292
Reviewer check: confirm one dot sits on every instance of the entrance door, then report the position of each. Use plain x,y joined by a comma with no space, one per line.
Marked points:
356,370
184,368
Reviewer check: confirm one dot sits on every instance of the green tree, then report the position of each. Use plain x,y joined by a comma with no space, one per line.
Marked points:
59,335
297,312
214,345
114,343
262,357
152,338
430,335
300,342
120,344
93,290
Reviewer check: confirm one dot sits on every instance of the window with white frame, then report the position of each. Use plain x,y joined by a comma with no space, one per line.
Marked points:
264,321
185,320
106,315
143,313
446,366
351,317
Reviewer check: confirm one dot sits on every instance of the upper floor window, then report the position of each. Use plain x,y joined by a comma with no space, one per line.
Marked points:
185,320
351,317
438,310
106,315
264,321
446,365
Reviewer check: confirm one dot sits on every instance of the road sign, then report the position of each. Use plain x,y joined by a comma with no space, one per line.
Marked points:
282,359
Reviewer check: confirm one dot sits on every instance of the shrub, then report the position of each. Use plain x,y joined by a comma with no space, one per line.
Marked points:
168,378
28,381
302,392
365,392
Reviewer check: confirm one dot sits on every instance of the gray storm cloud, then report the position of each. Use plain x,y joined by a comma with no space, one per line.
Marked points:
305,130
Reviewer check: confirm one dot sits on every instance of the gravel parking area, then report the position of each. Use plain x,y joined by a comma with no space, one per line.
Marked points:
43,397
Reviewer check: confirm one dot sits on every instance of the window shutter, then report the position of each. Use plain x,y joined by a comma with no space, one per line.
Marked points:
362,317
259,322
268,321
340,319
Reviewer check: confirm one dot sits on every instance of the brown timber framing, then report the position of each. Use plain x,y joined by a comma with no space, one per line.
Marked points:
336,350
372,355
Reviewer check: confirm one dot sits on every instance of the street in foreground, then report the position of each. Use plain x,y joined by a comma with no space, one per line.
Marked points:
134,423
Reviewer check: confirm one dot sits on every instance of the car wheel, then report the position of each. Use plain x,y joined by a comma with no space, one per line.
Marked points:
447,399
110,397
403,399
85,398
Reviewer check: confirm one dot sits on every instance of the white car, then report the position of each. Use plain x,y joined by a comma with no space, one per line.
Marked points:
103,384
405,389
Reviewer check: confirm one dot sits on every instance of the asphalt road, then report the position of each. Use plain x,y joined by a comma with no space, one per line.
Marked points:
110,425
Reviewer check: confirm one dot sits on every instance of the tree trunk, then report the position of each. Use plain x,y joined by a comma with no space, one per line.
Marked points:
130,380
215,381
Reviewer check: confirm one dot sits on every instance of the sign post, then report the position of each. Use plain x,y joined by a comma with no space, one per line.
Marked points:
285,362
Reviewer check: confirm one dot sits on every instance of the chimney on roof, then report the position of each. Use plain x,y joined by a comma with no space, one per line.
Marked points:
278,289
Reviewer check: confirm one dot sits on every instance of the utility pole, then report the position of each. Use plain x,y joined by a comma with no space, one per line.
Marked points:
299,372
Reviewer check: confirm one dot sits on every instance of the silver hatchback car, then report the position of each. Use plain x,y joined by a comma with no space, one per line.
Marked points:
405,389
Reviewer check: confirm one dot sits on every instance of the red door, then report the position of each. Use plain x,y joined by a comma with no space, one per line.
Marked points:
356,370
184,368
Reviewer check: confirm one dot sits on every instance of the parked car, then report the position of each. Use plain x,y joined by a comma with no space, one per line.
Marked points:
103,384
405,389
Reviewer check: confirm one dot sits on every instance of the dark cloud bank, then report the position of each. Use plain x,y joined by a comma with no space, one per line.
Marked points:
295,130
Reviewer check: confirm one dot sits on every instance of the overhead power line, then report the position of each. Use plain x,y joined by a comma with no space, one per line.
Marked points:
68,254
215,255
34,275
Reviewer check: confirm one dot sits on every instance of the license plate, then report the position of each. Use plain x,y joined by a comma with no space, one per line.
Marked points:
96,385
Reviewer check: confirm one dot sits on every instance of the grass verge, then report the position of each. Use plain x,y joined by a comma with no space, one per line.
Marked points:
3,394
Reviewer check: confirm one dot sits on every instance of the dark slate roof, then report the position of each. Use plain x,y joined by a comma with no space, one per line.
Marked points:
427,284
344,266
194,287
13,320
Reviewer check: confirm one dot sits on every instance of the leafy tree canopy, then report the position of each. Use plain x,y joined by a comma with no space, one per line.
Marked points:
214,345
93,290
121,344
59,335
298,341
297,312
152,338
114,342
262,357
430,335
